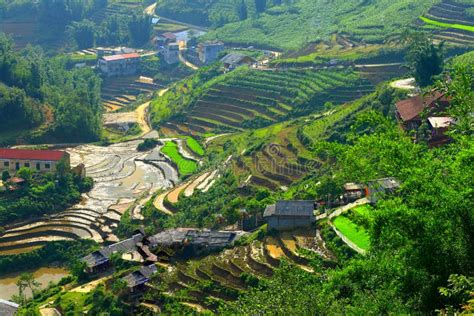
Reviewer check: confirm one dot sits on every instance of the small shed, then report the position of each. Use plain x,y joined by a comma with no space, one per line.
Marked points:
287,215
136,280
378,189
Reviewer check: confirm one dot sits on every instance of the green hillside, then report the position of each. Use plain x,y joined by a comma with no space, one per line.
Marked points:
304,21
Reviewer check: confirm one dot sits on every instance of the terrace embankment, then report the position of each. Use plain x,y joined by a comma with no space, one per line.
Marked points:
121,175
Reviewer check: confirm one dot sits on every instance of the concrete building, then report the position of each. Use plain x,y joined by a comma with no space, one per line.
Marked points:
287,215
119,65
209,51
171,53
12,160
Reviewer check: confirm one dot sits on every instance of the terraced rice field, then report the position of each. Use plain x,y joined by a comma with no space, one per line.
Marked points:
355,233
217,278
115,8
455,24
184,165
253,98
121,91
121,178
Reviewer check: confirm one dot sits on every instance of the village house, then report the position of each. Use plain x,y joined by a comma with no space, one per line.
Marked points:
234,60
208,52
380,188
162,40
171,53
409,112
287,215
353,191
12,160
189,242
438,127
119,65
99,260
136,280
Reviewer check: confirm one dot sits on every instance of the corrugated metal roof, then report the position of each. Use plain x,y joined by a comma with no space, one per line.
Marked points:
290,208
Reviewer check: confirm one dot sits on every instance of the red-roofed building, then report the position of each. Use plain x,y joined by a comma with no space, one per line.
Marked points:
12,160
119,65
409,111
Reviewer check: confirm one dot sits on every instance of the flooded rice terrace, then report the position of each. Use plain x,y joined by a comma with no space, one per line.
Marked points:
43,276
123,177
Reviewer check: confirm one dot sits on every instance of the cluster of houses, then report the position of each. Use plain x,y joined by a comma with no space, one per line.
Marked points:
181,242
288,215
428,110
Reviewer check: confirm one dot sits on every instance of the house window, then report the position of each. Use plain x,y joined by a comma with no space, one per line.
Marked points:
27,164
47,166
6,163
17,166
38,166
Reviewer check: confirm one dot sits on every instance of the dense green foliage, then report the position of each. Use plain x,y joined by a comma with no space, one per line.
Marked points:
42,194
297,23
74,95
418,239
57,251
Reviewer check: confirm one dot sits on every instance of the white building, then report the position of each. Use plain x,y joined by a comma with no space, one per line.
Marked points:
120,65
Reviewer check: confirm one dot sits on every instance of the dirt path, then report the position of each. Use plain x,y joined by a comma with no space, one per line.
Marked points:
142,117
142,114
404,84
347,207
86,288
186,62
49,311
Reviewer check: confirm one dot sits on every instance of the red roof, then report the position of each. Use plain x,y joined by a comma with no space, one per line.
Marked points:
121,56
410,109
26,154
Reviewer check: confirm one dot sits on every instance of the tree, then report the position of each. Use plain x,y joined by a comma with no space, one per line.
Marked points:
83,33
5,175
425,59
139,28
25,281
242,11
260,5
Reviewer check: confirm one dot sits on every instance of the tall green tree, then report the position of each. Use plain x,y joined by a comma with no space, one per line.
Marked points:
83,33
242,11
425,59
139,28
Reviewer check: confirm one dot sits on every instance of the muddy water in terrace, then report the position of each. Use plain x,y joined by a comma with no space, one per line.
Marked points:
43,275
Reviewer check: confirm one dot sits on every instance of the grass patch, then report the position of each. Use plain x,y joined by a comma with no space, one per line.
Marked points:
355,233
363,210
185,166
448,25
194,145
